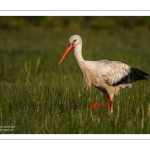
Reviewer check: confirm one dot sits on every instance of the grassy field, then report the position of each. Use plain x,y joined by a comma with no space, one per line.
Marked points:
37,95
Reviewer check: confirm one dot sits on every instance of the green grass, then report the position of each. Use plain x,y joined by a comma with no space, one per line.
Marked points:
37,95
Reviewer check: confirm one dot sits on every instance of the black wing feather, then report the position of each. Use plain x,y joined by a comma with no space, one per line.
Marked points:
134,75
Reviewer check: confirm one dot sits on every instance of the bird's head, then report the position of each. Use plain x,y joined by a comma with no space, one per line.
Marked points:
74,40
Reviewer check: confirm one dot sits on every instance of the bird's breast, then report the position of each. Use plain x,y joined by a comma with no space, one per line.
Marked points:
91,77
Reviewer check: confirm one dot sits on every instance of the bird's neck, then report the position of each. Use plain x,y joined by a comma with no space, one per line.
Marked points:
79,58
78,54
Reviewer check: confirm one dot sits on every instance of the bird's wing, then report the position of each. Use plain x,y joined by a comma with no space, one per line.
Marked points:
114,71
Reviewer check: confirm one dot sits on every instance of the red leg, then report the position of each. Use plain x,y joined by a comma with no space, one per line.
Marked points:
110,104
95,105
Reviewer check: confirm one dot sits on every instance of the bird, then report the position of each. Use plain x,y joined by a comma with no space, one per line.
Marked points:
107,76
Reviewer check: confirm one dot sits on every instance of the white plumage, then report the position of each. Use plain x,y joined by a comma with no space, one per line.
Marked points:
107,76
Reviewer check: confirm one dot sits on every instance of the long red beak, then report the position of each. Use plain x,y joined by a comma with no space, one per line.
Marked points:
68,50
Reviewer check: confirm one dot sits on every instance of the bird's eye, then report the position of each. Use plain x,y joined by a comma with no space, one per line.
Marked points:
74,40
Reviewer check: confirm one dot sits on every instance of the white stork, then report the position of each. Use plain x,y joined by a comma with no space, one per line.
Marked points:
107,76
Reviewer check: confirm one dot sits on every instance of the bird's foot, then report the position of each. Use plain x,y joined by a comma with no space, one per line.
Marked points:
95,105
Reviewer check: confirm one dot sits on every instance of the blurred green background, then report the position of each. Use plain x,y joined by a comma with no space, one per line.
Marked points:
92,22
